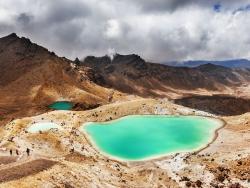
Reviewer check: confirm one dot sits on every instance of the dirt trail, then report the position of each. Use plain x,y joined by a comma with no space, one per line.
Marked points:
26,169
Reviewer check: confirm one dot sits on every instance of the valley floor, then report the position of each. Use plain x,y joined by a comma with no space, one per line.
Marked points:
65,158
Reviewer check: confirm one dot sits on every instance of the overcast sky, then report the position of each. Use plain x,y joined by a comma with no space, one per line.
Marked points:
158,30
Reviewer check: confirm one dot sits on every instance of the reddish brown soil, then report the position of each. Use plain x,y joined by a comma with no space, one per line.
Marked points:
6,160
26,169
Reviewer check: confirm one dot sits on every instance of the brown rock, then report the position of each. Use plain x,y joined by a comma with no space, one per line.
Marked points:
188,184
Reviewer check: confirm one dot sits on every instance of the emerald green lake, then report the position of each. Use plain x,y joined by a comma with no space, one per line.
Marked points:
134,138
61,105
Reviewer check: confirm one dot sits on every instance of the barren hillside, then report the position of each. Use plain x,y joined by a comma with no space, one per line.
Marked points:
31,78
131,74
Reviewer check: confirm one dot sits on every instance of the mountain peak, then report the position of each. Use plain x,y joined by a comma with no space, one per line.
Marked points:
117,59
20,46
12,35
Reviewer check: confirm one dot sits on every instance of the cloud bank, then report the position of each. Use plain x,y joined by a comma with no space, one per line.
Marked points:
158,30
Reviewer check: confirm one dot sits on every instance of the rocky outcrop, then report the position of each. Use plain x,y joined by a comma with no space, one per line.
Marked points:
133,58
97,60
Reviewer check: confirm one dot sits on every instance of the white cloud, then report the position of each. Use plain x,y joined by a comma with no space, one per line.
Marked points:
166,30
113,29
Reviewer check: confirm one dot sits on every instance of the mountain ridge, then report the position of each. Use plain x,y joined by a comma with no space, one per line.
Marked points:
137,76
32,77
233,63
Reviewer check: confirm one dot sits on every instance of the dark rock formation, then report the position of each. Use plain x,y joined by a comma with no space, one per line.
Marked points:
217,104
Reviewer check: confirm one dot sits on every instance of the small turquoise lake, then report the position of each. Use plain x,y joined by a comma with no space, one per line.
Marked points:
61,105
142,137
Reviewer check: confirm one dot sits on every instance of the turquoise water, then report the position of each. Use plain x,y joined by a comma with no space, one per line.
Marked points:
144,137
61,105
42,126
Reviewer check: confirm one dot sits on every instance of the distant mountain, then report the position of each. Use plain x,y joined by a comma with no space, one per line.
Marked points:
236,63
131,74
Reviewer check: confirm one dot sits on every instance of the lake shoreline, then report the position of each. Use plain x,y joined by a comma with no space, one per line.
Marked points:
221,124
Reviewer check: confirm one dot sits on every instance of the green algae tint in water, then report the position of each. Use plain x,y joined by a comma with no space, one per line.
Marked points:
144,137
61,105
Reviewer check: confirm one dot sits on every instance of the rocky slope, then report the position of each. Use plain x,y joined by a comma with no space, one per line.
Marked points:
131,74
31,78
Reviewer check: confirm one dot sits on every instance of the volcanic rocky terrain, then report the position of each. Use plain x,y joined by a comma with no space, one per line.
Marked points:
103,89
31,78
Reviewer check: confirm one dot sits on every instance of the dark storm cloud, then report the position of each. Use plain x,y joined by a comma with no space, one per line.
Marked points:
4,27
172,5
24,19
158,30
56,24
63,11
243,8
162,5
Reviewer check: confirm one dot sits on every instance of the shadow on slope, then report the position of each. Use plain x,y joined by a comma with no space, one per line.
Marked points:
217,104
